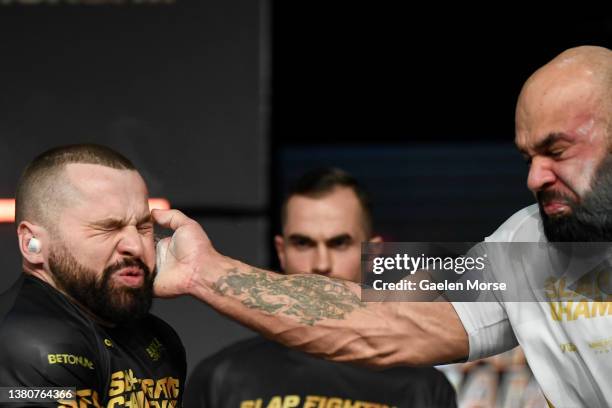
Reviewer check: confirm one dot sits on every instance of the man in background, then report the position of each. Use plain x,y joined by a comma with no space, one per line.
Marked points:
325,218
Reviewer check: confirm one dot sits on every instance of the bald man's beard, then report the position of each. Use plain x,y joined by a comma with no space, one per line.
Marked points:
589,220
102,296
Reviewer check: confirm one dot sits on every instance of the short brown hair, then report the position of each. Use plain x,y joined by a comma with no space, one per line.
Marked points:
320,182
41,177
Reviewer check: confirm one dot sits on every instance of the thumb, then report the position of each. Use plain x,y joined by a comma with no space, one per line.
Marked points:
173,219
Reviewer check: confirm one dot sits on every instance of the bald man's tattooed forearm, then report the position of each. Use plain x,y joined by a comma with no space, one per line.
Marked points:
309,298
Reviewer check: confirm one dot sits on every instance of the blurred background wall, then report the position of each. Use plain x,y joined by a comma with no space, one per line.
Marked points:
222,104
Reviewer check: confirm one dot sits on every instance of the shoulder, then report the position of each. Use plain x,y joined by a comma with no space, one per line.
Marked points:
224,369
43,341
238,353
246,354
40,315
523,226
429,379
7,298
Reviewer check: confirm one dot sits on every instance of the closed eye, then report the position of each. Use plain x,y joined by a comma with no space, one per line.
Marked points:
556,153
146,228
109,224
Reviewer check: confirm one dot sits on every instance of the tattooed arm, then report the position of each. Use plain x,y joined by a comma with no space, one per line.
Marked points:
310,312
309,298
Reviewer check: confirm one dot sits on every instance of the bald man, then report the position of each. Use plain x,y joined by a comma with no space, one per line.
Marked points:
564,129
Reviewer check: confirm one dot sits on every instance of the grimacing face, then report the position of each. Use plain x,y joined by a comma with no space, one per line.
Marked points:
323,235
103,253
563,134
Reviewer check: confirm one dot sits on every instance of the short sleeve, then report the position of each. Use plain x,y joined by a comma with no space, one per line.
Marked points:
487,326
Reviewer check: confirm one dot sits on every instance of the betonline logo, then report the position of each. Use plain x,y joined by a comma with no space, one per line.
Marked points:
411,264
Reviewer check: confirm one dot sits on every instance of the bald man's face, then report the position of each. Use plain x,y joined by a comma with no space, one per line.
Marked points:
323,235
562,131
103,253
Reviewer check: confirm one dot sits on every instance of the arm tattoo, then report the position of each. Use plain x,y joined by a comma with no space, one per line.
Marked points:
310,298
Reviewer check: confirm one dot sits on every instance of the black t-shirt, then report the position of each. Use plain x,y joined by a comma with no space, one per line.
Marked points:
47,341
7,298
259,373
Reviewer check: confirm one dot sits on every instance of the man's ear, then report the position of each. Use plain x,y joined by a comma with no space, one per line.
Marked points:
279,244
375,249
31,252
377,239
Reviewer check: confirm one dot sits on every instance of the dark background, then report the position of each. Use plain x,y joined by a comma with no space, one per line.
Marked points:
222,104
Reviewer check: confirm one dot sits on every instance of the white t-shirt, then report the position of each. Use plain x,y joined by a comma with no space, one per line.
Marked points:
568,345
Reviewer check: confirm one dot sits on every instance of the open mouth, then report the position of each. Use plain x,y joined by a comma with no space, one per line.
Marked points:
130,276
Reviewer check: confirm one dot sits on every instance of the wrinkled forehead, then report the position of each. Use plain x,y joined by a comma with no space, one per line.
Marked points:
100,191
562,107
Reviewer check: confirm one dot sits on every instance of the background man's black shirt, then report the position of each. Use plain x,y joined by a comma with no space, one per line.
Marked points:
258,373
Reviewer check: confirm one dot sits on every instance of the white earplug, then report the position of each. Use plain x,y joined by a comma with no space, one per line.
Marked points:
34,245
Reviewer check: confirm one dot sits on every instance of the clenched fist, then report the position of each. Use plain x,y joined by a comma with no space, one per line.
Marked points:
182,258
